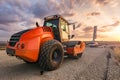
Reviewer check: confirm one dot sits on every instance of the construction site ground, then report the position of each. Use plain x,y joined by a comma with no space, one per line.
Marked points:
95,64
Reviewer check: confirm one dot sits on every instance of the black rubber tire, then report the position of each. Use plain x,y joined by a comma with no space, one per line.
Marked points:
51,55
75,57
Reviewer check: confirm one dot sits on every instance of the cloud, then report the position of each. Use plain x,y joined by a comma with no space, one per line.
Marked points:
109,27
102,2
79,25
39,11
13,13
17,11
2,28
113,3
101,36
93,14
5,18
68,14
86,35
79,34
10,27
115,24
63,7
6,34
103,30
86,32
88,29
16,15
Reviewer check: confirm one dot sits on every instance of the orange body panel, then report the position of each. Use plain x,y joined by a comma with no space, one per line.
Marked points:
31,41
76,49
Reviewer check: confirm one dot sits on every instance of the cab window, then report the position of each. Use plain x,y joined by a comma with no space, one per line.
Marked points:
64,26
53,23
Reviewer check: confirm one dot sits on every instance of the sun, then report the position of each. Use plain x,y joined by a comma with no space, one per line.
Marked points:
116,33
118,38
113,34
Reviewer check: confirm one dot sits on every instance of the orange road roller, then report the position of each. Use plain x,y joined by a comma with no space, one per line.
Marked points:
47,45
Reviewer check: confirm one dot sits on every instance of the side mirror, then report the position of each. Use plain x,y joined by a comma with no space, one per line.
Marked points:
71,36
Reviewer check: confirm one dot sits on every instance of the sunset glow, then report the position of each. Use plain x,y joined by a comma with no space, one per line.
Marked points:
17,15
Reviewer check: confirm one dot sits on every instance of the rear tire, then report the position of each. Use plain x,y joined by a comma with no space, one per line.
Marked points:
51,55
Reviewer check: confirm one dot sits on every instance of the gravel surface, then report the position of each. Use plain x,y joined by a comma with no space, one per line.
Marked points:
95,64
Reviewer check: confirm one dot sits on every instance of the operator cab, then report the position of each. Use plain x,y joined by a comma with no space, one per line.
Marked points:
59,27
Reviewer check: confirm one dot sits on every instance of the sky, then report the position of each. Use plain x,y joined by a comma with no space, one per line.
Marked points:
17,15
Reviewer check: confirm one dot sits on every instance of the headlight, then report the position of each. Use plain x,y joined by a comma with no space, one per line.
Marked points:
21,46
18,46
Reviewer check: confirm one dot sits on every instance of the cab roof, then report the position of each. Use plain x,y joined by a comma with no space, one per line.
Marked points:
55,17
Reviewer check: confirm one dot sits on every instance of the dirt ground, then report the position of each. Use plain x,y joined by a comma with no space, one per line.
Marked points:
95,64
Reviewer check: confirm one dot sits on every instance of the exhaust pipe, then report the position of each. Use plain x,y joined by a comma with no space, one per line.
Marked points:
37,25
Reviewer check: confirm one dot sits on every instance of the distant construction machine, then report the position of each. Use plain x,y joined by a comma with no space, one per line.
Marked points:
93,43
